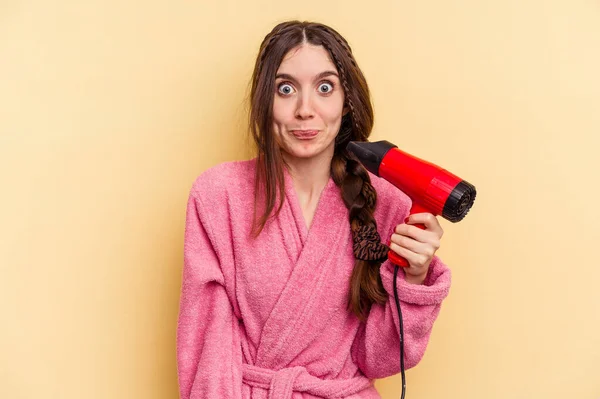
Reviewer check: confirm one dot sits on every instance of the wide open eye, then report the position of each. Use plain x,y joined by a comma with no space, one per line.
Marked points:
326,87
285,89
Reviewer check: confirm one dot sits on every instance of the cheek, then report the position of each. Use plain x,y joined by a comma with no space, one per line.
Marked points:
333,113
334,107
281,112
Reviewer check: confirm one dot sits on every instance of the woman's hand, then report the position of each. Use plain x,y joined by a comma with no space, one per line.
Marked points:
417,246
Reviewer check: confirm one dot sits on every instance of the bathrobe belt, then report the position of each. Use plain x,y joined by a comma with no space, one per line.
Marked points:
282,383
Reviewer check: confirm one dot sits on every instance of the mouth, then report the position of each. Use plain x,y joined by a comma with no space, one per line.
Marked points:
305,134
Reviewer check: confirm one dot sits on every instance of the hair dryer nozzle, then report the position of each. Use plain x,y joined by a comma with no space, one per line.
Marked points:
459,201
370,154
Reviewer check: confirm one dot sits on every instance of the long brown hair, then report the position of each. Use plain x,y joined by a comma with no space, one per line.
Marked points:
358,194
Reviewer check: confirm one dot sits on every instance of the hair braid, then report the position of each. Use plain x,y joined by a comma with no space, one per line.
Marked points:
360,198
270,39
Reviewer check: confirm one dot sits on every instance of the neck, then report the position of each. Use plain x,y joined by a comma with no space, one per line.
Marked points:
310,175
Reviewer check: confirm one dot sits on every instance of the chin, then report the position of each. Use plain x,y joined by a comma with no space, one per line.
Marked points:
305,153
302,154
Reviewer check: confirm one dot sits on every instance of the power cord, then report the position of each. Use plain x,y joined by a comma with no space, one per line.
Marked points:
401,333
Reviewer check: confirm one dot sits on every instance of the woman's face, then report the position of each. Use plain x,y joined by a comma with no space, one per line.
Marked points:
308,105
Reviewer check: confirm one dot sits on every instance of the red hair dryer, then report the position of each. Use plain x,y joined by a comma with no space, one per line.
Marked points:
431,188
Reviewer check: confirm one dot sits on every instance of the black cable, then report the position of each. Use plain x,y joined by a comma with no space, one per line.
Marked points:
401,333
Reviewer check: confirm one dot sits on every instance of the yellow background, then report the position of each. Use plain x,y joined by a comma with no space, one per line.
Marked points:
109,109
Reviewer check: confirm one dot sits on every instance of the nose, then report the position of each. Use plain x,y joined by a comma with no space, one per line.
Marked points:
304,108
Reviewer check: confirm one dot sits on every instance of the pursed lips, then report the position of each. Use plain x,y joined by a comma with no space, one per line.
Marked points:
304,134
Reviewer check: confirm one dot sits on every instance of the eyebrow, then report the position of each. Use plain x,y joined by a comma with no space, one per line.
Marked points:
319,76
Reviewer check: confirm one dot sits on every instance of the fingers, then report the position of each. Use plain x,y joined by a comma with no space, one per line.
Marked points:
429,220
423,236
427,248
417,246
416,260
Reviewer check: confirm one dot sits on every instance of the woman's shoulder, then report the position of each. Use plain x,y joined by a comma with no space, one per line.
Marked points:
223,179
387,192
392,203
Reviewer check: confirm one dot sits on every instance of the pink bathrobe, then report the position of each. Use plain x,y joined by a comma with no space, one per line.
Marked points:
267,318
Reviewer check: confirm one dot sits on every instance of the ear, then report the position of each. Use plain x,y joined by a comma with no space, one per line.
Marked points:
345,110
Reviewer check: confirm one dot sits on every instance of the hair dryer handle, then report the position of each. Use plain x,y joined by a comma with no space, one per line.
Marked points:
393,256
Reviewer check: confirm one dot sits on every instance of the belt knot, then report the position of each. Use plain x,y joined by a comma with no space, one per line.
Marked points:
282,383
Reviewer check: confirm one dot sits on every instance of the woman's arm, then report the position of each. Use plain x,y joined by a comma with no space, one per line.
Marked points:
208,348
376,348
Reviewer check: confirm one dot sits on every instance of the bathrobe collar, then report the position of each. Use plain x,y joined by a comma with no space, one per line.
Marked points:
315,253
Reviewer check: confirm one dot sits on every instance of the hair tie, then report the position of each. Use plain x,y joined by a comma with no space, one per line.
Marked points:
368,245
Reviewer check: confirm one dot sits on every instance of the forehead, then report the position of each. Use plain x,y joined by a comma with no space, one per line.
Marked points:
306,61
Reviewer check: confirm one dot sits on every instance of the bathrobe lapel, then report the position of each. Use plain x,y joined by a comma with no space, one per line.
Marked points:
322,263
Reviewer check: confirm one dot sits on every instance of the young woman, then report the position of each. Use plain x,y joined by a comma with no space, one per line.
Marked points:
287,290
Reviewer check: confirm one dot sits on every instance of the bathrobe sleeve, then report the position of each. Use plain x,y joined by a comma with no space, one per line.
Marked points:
208,348
376,348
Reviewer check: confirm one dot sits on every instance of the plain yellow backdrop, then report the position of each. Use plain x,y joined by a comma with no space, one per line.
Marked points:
109,110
